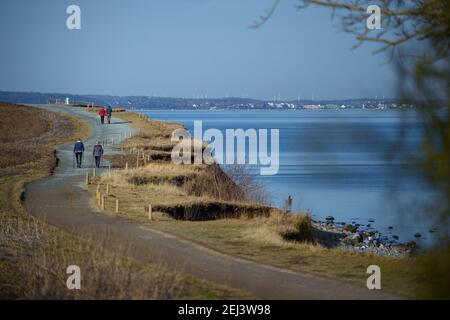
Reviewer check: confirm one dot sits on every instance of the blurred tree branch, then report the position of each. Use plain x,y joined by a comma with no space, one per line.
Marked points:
266,16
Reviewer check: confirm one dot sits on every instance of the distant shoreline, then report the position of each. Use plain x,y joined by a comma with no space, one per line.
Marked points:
184,103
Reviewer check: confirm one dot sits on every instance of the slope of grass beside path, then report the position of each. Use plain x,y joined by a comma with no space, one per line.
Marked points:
259,239
34,256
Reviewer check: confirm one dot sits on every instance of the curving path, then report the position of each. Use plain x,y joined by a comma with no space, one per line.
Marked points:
62,200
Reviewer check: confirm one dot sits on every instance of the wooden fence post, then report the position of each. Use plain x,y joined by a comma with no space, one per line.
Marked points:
126,165
150,213
87,178
93,172
117,205
107,189
103,202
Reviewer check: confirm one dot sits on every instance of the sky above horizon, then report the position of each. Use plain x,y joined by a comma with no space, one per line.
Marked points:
186,48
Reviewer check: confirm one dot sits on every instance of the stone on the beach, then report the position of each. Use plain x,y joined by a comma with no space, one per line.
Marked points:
417,235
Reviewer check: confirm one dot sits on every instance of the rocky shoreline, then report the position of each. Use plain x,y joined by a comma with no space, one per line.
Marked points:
351,237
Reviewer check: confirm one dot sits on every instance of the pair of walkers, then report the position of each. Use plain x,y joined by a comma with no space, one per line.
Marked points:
78,150
105,112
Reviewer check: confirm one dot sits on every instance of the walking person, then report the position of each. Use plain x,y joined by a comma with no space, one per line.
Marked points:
108,114
97,153
102,114
78,150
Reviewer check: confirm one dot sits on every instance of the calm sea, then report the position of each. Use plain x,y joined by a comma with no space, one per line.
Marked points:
351,164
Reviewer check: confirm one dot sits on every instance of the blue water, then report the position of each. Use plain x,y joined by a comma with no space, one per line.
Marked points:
338,162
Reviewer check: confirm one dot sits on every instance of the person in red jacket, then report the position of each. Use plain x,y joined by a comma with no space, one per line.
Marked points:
102,114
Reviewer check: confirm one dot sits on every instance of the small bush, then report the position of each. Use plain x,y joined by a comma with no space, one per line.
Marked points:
302,224
300,229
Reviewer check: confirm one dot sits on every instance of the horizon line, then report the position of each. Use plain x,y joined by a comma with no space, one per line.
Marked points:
189,98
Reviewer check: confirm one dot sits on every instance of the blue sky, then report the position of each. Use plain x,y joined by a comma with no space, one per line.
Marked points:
179,48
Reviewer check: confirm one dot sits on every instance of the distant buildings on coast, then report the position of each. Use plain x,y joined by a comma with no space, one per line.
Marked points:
305,105
200,103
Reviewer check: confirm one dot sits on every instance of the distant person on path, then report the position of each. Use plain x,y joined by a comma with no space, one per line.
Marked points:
102,114
97,153
78,150
108,114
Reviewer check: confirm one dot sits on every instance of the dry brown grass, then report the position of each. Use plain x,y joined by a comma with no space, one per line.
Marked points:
21,123
182,191
40,263
166,170
283,230
165,196
122,187
158,131
26,132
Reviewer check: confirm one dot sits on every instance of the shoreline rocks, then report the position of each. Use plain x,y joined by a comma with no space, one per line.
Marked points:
348,237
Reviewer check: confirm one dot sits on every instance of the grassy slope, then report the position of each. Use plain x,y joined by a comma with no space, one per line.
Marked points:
33,255
253,239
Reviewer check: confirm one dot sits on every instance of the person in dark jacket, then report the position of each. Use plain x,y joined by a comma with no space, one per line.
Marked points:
108,114
78,150
97,153
102,114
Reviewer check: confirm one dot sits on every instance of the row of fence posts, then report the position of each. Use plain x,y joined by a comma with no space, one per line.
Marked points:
100,197
144,117
120,138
